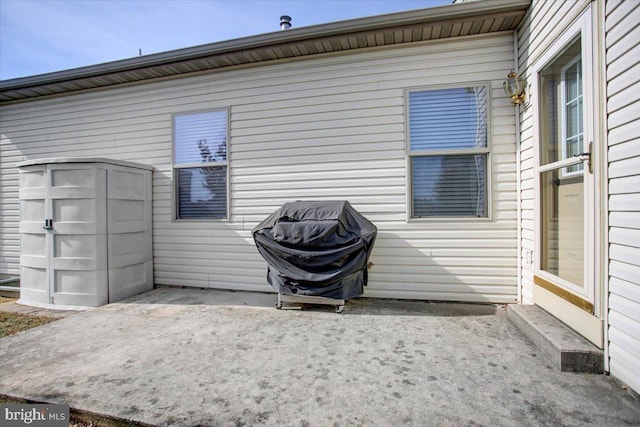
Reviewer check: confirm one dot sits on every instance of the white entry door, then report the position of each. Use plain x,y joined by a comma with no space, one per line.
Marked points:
565,280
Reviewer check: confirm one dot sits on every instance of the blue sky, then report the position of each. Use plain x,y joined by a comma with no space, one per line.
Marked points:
41,36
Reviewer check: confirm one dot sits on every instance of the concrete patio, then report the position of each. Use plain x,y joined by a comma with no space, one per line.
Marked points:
186,357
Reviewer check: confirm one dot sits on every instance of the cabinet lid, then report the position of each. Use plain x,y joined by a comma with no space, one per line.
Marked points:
59,160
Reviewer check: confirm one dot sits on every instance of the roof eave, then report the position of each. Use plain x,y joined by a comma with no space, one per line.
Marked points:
435,14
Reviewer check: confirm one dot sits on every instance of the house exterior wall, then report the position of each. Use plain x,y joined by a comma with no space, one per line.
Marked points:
543,24
622,29
326,128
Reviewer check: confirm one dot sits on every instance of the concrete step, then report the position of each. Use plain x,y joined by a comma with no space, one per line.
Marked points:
564,347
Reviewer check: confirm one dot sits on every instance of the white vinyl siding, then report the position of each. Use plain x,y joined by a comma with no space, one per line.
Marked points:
543,24
622,26
318,129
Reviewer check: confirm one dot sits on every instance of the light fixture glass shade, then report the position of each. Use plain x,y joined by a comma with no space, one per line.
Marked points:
514,87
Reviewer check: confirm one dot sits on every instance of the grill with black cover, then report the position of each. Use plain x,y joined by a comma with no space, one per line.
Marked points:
317,250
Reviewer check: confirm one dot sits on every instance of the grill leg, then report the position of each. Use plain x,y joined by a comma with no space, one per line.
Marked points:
306,299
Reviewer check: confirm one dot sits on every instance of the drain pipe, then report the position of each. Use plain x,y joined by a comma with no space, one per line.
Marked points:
518,142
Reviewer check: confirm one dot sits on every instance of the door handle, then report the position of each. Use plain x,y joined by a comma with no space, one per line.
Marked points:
586,156
48,224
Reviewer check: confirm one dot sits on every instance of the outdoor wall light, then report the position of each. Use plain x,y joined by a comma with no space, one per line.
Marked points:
514,87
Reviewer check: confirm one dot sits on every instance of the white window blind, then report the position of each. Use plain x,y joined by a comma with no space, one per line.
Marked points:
200,137
200,165
448,149
202,192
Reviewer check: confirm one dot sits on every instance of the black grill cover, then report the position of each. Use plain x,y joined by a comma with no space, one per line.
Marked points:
316,249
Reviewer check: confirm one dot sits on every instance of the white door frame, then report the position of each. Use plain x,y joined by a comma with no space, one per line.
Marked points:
561,300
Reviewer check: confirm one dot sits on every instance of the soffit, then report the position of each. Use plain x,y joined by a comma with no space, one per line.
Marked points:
457,20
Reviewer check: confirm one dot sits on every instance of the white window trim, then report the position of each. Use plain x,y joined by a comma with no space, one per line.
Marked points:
565,155
175,167
488,150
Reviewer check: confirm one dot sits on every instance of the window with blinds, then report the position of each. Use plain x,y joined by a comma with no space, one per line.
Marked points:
448,152
200,165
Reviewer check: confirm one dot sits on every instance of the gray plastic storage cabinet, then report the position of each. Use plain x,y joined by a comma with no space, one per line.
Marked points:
85,231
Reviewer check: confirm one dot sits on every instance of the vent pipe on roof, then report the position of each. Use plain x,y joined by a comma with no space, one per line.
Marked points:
285,22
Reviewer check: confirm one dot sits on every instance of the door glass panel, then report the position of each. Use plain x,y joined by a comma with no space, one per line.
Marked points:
562,206
562,189
561,108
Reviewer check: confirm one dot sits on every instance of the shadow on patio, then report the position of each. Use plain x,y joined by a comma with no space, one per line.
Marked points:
357,306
